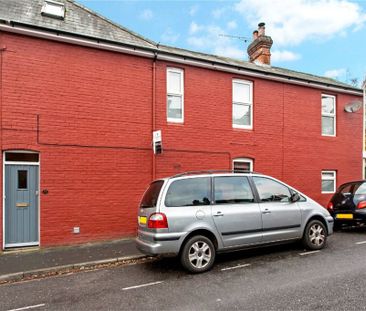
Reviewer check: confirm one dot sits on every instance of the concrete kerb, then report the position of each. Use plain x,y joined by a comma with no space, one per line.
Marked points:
13,277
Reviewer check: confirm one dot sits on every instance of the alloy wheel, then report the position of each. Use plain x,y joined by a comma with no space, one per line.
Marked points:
317,234
199,254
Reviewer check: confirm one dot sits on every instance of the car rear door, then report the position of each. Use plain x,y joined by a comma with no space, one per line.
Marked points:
281,218
236,214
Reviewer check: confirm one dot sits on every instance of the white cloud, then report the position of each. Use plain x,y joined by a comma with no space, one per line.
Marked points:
217,13
290,22
335,73
193,28
193,10
146,14
284,56
232,25
169,36
207,39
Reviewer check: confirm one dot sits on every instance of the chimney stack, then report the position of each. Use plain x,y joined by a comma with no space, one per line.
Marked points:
259,50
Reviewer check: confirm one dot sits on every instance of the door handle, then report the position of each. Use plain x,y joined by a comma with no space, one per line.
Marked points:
218,214
266,211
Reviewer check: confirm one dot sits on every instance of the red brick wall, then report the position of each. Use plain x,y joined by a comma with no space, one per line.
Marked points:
95,121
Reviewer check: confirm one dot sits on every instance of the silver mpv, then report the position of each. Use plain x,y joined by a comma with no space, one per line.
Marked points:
196,215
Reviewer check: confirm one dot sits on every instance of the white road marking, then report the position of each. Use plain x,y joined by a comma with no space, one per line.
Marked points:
143,285
361,242
309,253
236,267
29,307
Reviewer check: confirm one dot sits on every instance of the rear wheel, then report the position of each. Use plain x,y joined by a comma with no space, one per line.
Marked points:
315,235
198,254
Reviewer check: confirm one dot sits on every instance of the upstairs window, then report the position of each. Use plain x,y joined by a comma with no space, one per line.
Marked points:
175,95
242,104
328,115
242,165
328,181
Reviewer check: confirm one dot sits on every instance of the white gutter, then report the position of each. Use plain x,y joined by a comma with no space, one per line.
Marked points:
177,59
74,40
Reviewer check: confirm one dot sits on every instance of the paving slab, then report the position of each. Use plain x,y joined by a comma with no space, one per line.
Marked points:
22,262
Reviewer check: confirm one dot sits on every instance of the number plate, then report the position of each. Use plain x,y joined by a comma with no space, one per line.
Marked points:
142,220
344,216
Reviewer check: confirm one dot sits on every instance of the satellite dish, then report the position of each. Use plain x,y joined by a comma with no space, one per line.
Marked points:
353,106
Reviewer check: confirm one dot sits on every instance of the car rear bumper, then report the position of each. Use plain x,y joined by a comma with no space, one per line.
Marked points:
158,244
355,217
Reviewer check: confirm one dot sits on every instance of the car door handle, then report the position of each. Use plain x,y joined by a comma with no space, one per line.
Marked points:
266,211
218,214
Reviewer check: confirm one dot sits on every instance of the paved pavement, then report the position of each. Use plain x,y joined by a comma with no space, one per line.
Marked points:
276,278
17,262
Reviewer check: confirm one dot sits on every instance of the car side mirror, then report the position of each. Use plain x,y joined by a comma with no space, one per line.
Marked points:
295,197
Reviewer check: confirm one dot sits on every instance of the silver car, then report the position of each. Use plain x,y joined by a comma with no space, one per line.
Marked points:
196,215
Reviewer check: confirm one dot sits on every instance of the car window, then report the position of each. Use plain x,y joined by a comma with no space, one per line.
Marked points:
232,190
151,195
188,192
347,189
271,191
360,189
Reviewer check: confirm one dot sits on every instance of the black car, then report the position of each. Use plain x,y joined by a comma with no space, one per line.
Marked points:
348,204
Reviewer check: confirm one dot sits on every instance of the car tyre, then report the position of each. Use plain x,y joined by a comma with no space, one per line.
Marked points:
315,235
198,254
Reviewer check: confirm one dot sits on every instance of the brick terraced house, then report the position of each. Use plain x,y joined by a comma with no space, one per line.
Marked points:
81,97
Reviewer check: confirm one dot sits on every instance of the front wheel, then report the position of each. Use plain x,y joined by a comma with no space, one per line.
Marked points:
315,235
198,254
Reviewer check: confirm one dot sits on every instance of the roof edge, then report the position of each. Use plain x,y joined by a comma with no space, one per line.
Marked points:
112,22
53,34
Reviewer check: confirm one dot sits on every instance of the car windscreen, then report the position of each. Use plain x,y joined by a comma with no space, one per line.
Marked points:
151,195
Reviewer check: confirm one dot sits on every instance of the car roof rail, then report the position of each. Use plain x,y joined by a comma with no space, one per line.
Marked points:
214,172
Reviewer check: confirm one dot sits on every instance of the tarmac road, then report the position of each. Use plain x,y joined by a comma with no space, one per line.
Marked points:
276,278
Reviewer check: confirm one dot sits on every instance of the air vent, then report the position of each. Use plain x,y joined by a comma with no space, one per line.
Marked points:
53,9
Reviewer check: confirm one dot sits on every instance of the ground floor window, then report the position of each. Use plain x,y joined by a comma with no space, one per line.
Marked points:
329,181
241,165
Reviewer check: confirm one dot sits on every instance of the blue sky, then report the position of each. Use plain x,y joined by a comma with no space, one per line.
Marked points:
322,37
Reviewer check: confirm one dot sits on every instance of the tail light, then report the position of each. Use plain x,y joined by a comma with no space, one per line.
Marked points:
361,204
330,206
157,221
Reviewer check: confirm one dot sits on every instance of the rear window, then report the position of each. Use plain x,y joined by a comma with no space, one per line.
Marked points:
189,192
150,197
360,189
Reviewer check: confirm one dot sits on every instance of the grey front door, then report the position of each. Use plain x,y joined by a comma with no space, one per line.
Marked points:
21,205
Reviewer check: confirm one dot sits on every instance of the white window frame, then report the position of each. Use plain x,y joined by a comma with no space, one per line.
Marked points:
250,104
244,160
181,72
332,115
334,179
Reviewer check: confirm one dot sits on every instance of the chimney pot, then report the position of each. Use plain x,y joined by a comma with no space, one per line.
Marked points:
255,34
261,29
